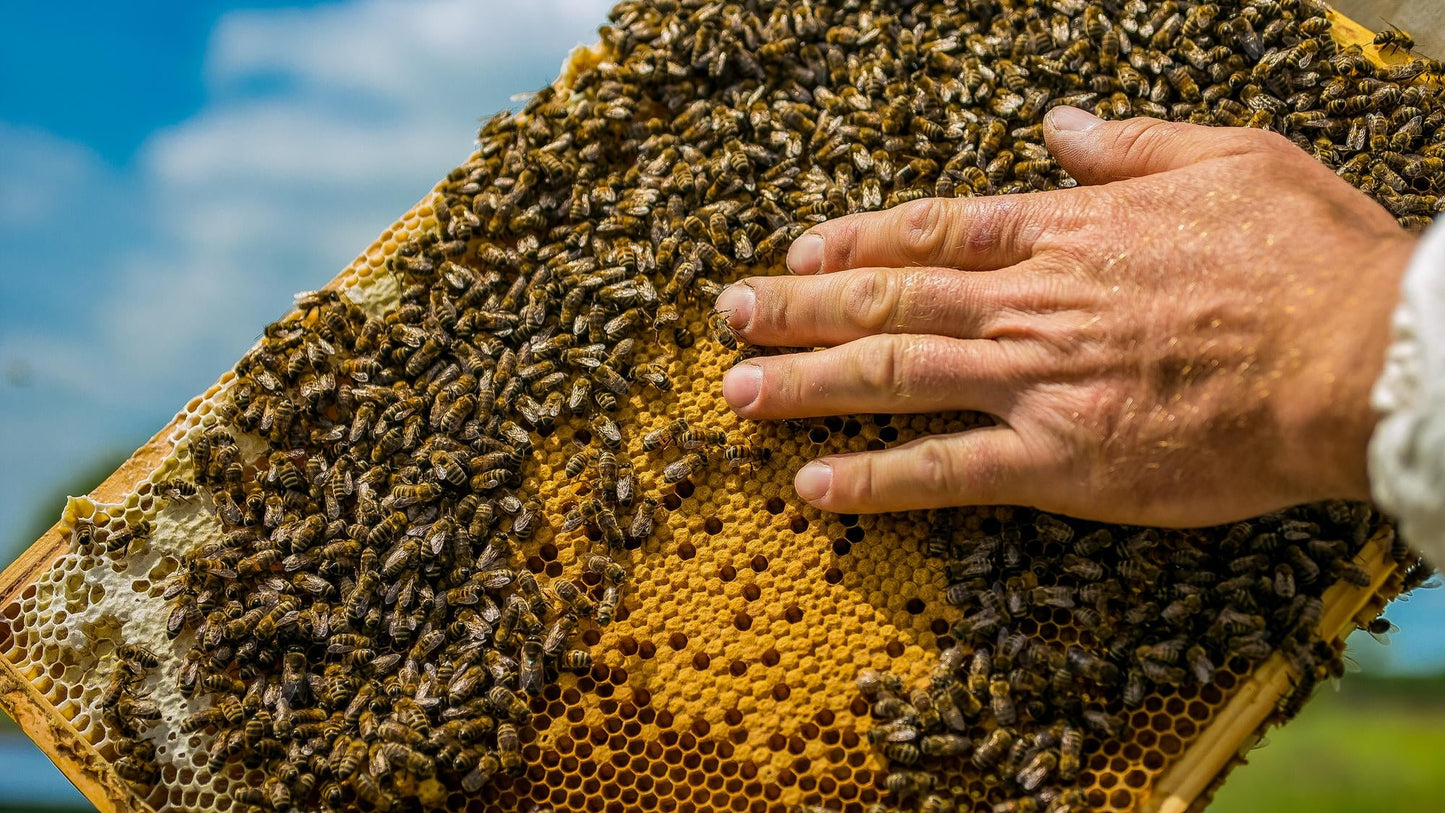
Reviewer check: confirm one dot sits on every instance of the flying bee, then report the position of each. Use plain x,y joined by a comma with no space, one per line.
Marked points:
1396,38
1379,627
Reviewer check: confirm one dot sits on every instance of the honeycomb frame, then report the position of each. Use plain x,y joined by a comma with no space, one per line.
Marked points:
28,695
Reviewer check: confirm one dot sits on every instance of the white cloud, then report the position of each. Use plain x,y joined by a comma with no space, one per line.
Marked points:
40,172
258,195
320,127
355,47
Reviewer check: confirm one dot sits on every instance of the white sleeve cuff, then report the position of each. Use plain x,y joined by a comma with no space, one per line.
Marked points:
1407,450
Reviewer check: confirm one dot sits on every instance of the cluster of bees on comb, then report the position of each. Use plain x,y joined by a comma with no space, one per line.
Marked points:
368,631
1133,612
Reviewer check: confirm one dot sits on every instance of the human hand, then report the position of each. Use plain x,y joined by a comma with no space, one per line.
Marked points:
1188,338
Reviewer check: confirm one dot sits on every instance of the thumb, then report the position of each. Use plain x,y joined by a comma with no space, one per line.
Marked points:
1095,151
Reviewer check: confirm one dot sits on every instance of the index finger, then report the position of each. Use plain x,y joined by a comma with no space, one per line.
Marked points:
972,234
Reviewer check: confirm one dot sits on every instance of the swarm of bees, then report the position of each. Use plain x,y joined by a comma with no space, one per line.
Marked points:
368,621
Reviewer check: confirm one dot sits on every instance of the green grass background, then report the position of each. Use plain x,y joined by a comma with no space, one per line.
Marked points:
1373,744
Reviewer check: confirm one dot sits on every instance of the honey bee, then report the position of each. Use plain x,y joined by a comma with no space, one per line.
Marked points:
1001,698
607,605
120,541
1395,38
1040,768
136,770
577,661
992,749
683,469
132,708
906,784
176,490
664,436
386,531
138,657
722,331
654,375
572,598
904,753
396,754
945,745
509,750
110,696
697,438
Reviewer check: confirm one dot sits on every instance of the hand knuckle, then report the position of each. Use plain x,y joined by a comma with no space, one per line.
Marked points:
868,300
885,366
933,466
924,228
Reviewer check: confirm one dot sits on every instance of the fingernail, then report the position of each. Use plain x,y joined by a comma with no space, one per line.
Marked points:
1072,119
737,302
742,384
813,480
805,255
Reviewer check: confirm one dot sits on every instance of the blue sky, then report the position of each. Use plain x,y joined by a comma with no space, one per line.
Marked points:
170,173
179,169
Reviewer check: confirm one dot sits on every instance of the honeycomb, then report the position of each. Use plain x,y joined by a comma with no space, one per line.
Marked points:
728,678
